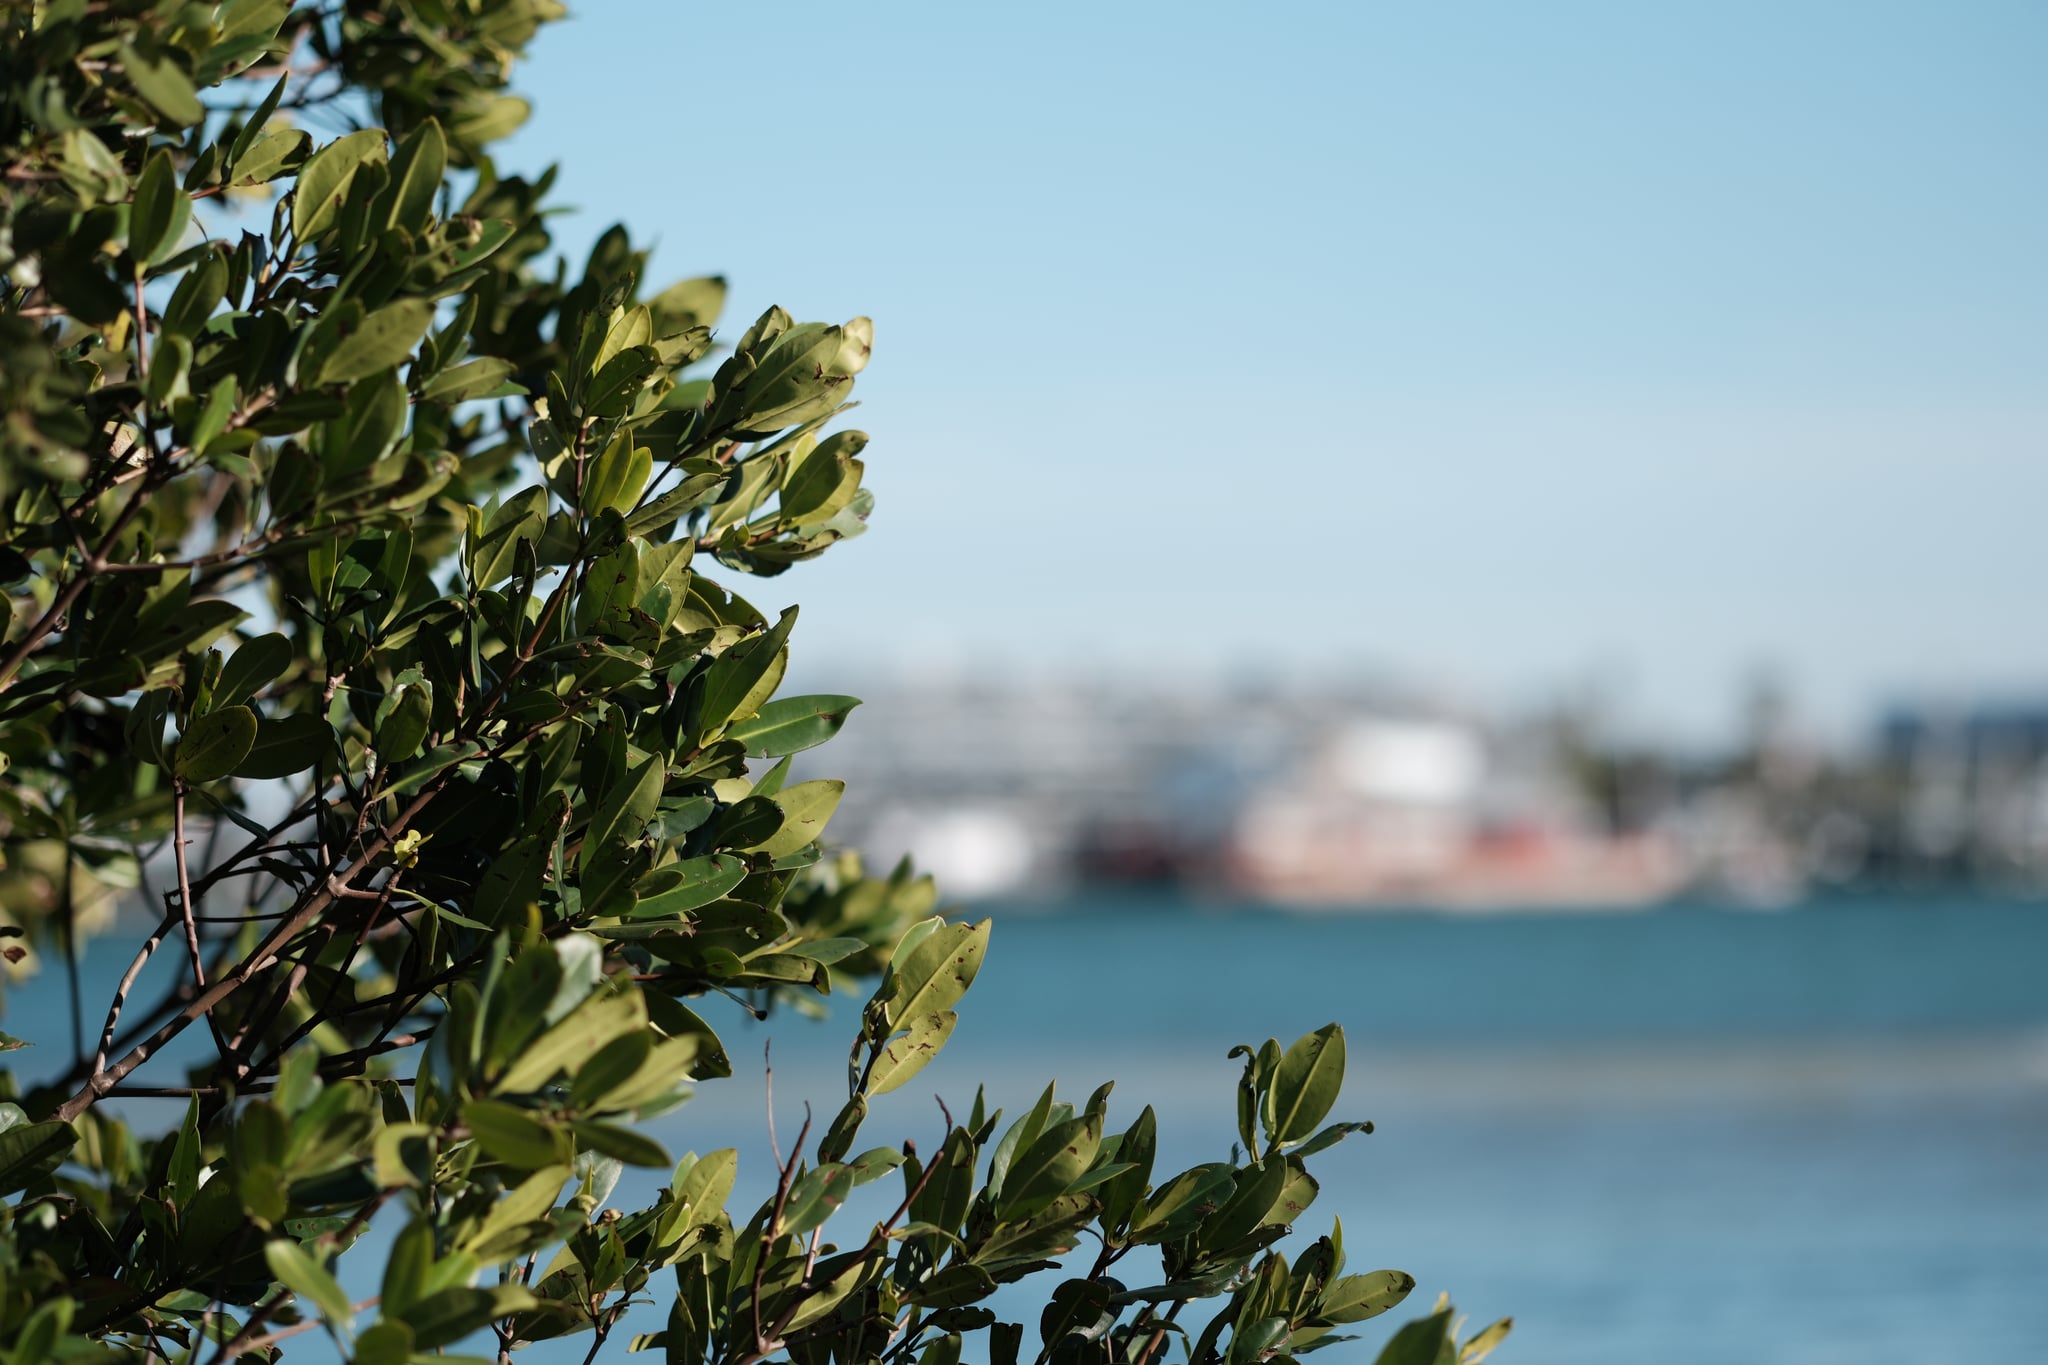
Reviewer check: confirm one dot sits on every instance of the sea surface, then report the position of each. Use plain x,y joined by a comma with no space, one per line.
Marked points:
1684,1136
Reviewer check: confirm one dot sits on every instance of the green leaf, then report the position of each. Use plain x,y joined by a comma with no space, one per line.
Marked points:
287,746
1482,1346
806,808
1052,1231
617,477
404,727
1358,1297
689,303
936,973
215,744
1050,1166
511,884
1258,1191
161,211
804,376
187,1158
41,1331
1253,1342
212,422
270,155
407,1266
957,1285
609,1068
165,85
416,174
29,1151
252,667
513,1136
197,625
564,1047
790,725
1306,1085
489,118
144,729
622,1144
824,482
324,180
733,685
385,1342
297,1271
701,1187
815,1197
385,338
1420,1342
471,379
688,885
197,295
1182,1202
627,807
1330,1137
904,1057
448,1315
526,1204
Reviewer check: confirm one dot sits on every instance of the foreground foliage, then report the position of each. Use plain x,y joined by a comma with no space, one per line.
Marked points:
354,555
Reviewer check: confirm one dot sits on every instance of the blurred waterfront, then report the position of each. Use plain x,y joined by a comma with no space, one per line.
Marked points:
1355,796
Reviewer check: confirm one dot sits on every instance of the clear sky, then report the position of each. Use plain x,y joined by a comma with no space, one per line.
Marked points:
1502,345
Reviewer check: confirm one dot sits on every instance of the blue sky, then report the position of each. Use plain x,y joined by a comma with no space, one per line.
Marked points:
1502,347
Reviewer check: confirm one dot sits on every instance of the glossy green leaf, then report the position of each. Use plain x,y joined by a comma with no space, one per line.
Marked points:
620,1143
416,174
476,378
627,807
165,85
743,677
512,1135
689,885
270,155
251,668
215,744
806,808
904,1057
1306,1084
284,747
937,972
31,1150
1483,1345
161,211
1050,1165
526,1203
563,1047
296,1269
1358,1297
790,725
384,339
324,180
1421,1342
815,1197
701,1187
404,726
690,303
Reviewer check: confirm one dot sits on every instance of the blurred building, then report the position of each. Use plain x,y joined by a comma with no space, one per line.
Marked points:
1367,797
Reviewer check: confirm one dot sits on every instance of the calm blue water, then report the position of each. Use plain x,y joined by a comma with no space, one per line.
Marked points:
1686,1136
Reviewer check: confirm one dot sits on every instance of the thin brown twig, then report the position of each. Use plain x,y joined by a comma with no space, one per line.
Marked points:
149,947
178,790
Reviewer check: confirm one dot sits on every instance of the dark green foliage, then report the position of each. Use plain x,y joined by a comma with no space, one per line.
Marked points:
352,552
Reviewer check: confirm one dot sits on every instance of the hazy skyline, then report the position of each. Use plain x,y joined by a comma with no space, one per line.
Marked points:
1487,345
